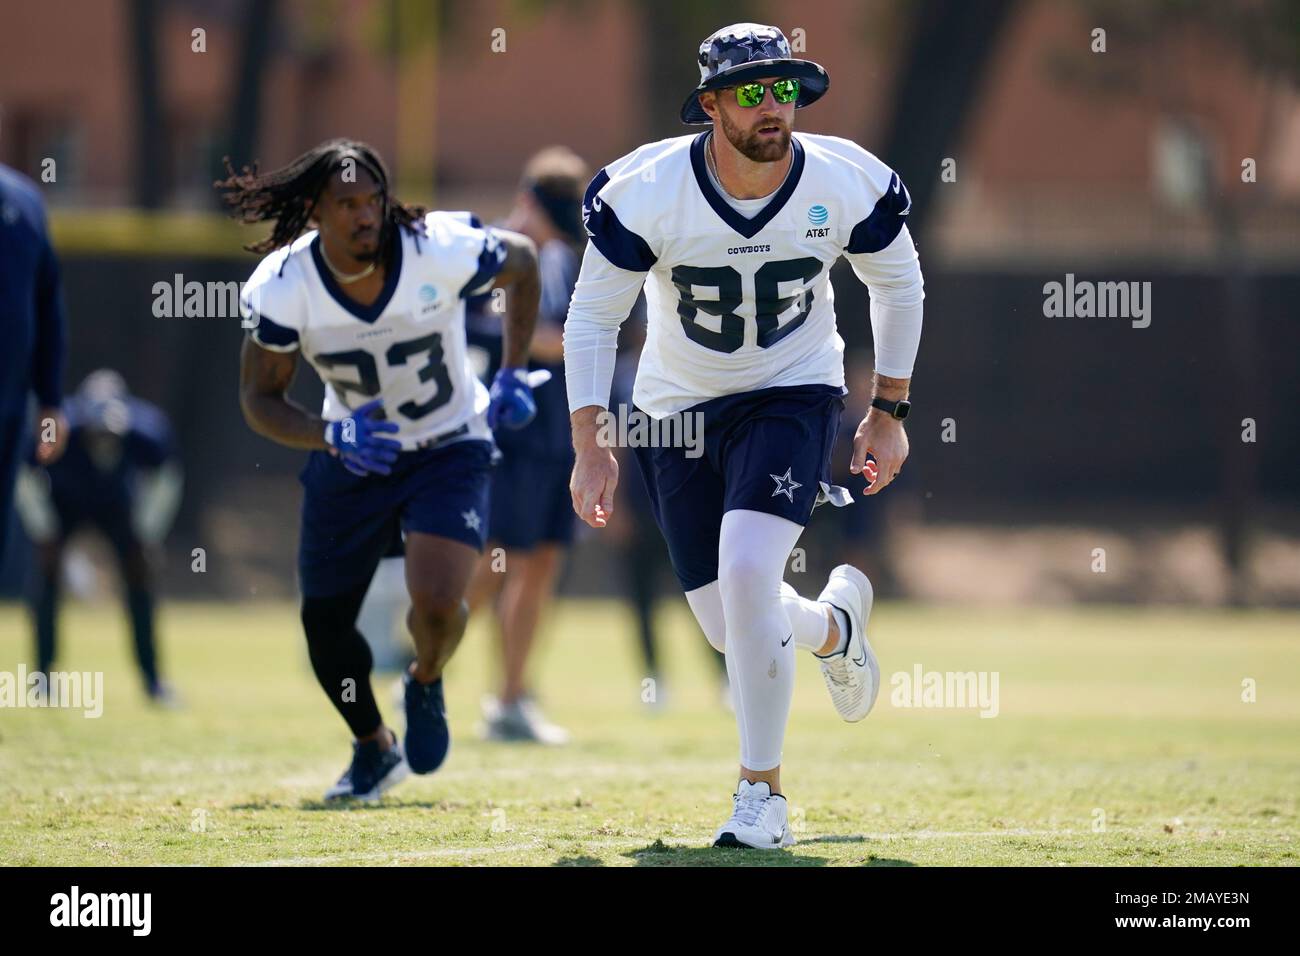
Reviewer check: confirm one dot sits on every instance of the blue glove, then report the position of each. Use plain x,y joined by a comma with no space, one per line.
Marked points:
359,442
512,405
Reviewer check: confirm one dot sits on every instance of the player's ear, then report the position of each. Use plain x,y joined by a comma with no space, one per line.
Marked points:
709,103
310,206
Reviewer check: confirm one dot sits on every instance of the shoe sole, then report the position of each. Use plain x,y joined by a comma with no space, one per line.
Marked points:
422,771
505,737
495,735
866,598
394,777
729,840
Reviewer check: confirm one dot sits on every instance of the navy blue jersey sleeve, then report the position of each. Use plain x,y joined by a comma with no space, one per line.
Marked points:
490,262
620,245
149,442
30,295
885,221
47,360
272,335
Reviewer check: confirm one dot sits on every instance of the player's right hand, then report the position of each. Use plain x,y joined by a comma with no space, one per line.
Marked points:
513,405
595,476
51,435
358,441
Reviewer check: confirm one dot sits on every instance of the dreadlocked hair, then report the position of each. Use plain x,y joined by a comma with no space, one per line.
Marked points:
285,196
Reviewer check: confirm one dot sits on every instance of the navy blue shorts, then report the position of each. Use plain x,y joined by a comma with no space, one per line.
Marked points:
112,517
767,451
531,504
349,522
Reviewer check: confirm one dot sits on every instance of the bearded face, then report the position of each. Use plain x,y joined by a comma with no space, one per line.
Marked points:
760,133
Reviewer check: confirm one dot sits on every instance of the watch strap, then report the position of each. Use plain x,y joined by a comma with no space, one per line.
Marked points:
885,405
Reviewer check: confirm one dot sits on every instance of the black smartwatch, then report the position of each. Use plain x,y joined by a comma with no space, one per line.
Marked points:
898,409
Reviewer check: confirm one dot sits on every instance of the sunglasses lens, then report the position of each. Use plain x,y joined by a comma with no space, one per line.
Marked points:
785,91
751,94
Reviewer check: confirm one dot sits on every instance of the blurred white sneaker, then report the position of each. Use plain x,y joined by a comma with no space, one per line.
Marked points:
758,819
520,721
853,675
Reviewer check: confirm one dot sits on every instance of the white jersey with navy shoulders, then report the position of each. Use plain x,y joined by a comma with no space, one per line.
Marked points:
408,348
738,302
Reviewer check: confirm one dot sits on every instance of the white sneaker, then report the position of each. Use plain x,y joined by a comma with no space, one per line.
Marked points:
520,722
852,676
758,819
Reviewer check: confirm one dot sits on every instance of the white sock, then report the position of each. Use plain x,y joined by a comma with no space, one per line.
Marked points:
807,621
752,551
841,622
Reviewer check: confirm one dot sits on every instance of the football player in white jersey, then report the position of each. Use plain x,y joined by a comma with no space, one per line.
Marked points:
371,292
733,233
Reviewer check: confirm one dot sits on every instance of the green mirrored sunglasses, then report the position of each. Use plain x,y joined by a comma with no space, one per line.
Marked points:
783,91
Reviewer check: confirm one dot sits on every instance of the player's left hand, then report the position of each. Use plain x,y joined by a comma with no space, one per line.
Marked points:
884,438
513,405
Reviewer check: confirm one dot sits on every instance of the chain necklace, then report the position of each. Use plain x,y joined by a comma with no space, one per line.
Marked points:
343,277
712,162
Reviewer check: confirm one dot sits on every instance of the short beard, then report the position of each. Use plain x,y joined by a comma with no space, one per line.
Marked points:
753,148
373,254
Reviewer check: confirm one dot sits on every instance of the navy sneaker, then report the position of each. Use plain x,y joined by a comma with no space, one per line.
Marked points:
427,735
371,772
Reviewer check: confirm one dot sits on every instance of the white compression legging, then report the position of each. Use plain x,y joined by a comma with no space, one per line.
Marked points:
745,615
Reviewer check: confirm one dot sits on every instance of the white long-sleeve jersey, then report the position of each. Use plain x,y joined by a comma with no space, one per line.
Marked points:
738,303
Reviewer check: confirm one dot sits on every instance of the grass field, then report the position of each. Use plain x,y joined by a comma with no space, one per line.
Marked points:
1121,738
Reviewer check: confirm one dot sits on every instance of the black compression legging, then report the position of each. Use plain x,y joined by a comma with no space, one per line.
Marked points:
341,658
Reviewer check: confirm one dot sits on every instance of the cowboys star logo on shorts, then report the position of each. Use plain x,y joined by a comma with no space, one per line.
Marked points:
785,485
472,520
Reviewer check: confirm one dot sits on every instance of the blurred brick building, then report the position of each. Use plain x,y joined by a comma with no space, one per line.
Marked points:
457,95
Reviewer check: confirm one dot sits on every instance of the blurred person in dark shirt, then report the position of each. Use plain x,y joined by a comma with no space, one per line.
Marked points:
120,476
531,511
32,330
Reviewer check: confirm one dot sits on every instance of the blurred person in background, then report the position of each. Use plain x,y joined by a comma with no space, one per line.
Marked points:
120,475
32,329
531,513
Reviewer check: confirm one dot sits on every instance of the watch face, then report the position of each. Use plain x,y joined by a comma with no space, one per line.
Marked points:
901,409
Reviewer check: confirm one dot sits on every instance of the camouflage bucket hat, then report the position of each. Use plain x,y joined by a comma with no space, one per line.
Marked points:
746,51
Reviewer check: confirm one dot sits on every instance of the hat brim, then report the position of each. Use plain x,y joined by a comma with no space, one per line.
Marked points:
814,81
